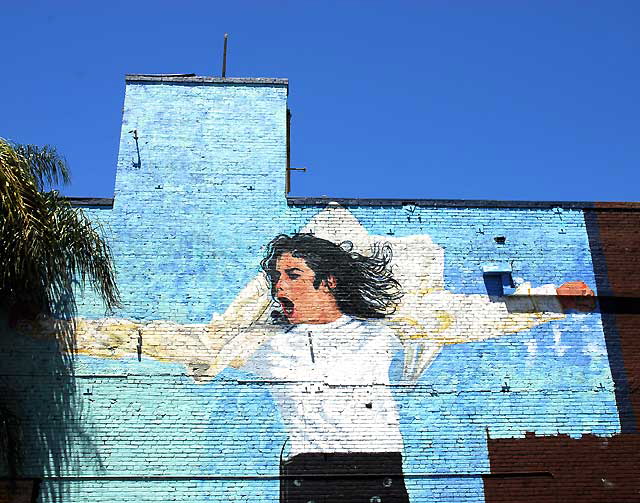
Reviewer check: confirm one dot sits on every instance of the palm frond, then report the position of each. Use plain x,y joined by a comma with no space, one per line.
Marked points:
47,244
47,166
15,181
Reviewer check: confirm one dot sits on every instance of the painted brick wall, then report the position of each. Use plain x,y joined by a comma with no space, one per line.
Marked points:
204,196
178,396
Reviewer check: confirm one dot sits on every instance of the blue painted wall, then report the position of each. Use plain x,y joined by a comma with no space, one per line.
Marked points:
191,219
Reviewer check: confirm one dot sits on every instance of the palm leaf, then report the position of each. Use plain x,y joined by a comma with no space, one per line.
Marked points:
47,167
47,244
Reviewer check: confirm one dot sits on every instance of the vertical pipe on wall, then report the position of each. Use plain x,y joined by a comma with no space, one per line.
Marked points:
288,173
224,56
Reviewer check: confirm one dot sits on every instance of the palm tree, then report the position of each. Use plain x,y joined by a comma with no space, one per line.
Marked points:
47,245
47,249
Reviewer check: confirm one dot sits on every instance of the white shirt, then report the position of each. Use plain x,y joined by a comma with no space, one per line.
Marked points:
331,383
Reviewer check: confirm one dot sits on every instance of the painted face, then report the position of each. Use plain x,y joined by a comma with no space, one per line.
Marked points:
301,302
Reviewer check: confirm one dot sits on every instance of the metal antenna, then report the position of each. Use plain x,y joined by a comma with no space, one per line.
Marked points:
224,57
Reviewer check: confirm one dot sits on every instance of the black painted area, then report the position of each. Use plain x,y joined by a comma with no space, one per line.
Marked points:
343,477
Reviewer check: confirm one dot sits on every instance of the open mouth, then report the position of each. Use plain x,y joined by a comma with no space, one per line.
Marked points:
287,306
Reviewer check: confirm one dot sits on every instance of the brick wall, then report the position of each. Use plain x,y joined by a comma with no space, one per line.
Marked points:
179,395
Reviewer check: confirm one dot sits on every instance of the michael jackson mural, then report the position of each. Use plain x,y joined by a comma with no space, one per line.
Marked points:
336,316
340,416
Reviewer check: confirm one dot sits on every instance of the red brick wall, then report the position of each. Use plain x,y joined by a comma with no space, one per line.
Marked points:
590,469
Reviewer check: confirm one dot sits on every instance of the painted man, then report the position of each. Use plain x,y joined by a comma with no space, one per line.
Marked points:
330,364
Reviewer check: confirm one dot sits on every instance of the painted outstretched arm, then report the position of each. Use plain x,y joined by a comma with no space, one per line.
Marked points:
425,324
206,349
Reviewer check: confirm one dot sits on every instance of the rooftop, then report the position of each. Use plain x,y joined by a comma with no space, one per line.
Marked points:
190,78
424,203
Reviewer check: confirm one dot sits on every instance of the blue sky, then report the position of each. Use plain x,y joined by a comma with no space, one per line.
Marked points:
433,99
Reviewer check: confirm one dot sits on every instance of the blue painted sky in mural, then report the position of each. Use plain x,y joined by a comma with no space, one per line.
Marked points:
495,99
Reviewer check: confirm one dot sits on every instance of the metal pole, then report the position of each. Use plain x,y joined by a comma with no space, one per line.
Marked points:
224,57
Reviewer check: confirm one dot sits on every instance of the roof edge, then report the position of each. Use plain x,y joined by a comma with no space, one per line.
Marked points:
463,203
191,78
106,202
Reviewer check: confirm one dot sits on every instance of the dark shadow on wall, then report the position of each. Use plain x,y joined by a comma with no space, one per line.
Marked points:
39,395
614,241
603,304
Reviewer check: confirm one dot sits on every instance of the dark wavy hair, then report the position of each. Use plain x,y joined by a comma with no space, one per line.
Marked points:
365,286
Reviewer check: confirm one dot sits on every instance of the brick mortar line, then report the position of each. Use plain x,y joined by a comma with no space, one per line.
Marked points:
143,478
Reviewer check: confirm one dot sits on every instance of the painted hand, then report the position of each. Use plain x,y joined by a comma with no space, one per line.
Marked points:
576,295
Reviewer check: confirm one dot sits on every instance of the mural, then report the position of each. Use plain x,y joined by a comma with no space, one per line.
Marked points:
339,324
